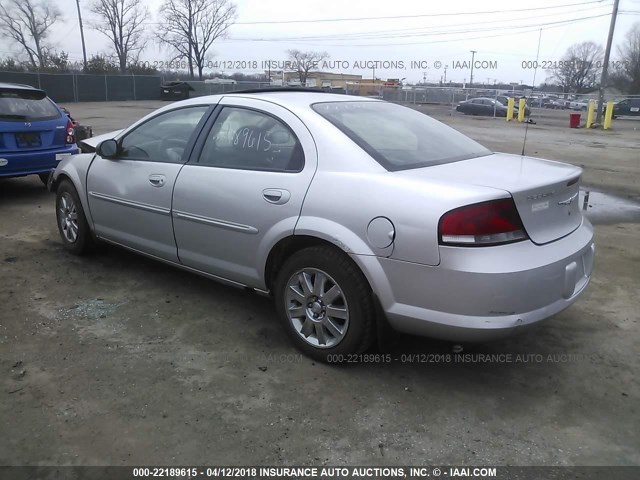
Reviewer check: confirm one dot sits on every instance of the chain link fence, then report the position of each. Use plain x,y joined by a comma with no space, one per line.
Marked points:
448,98
74,87
71,87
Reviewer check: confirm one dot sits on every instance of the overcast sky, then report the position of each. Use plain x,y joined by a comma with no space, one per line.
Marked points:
427,32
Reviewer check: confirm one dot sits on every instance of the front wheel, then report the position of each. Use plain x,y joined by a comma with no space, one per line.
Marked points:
72,223
325,303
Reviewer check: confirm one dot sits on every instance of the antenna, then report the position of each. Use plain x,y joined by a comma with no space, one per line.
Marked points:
533,86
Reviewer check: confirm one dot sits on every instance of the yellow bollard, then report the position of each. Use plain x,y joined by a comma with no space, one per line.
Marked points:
590,111
510,104
521,109
608,115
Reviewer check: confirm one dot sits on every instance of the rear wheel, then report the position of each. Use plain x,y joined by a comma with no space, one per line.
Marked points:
72,223
325,304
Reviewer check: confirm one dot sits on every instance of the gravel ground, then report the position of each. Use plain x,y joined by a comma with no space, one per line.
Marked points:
114,359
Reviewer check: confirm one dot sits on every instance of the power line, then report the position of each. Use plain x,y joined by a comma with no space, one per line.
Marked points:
358,19
419,31
537,26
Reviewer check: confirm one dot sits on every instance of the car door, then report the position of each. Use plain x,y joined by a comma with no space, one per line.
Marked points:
479,107
243,189
130,195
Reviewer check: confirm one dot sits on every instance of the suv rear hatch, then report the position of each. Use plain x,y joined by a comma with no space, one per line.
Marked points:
29,121
545,192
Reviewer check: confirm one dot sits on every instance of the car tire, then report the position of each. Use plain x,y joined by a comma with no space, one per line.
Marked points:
72,223
44,178
320,281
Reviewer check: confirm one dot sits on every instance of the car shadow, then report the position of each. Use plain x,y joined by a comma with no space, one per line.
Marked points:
15,190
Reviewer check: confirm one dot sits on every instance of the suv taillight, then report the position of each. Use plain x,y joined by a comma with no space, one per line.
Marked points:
482,224
70,133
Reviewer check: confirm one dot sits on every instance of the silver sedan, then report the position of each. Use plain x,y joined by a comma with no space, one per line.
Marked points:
349,212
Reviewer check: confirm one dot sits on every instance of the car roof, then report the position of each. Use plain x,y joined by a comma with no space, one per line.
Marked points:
16,86
295,100
298,98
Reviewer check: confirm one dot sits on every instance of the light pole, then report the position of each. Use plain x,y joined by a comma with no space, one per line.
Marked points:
84,50
473,55
603,78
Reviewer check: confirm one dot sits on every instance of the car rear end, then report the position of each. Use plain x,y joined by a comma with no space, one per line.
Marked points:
504,263
483,244
35,134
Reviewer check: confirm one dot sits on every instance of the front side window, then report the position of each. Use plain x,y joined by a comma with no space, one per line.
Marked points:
163,138
398,137
251,140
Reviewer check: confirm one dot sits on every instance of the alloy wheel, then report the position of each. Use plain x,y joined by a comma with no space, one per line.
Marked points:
68,217
317,308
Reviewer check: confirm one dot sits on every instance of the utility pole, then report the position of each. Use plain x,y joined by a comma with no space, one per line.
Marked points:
445,74
607,53
84,50
473,54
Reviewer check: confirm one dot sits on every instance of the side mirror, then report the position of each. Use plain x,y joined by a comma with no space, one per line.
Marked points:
107,148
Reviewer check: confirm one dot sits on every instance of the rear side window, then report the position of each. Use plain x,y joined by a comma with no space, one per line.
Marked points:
397,137
26,106
251,140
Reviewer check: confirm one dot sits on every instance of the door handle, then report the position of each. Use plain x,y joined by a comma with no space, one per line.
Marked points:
156,180
276,196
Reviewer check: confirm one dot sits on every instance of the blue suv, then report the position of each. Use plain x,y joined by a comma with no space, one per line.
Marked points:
35,134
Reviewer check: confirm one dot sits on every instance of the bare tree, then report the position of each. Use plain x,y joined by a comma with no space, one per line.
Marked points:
304,62
27,23
121,21
626,71
579,68
190,27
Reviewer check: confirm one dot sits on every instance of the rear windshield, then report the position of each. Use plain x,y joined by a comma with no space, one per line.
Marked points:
26,106
399,138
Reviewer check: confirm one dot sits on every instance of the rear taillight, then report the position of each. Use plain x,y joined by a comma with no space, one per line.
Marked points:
482,224
70,133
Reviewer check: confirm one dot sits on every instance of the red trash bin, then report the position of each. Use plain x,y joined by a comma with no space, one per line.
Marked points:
574,120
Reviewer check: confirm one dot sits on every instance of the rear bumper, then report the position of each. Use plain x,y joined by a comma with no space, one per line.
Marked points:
479,294
32,162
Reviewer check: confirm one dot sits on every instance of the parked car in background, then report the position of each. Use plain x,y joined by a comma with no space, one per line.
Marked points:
483,106
558,104
505,101
82,131
271,191
628,106
540,102
582,105
35,134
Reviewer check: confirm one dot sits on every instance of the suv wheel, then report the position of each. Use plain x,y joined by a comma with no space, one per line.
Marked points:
325,303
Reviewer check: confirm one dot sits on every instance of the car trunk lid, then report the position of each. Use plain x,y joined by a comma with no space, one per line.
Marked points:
545,192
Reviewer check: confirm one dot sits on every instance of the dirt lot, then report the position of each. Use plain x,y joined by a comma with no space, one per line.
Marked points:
116,360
